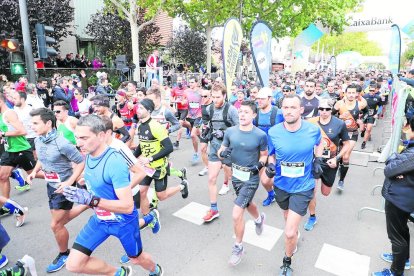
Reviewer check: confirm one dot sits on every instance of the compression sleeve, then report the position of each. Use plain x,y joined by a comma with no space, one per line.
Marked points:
137,151
166,149
125,134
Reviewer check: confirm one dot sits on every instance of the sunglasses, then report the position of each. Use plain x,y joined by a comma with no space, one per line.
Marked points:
371,90
76,93
204,96
286,90
57,111
324,109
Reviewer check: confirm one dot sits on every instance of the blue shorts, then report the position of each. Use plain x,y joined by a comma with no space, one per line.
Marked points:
95,232
4,237
57,201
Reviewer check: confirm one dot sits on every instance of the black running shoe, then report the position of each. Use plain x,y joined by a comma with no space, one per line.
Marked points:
184,192
363,145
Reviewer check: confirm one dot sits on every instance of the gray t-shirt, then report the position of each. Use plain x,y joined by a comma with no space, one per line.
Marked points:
246,145
57,156
217,121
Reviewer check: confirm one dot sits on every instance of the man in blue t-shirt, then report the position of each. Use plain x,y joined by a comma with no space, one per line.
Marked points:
267,117
295,148
109,194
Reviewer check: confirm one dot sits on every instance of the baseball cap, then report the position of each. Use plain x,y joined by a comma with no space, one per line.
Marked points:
325,103
287,87
373,84
264,92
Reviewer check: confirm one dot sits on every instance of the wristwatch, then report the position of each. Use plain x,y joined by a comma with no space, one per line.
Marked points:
94,202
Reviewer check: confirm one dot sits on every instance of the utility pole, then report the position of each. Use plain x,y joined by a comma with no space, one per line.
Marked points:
27,43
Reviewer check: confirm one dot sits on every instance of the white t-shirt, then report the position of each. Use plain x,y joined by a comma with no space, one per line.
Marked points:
84,107
34,101
24,116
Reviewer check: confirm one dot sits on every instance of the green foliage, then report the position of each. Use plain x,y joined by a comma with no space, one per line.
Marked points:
357,42
408,54
188,46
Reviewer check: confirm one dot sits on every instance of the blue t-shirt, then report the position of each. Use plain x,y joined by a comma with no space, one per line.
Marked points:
294,156
264,119
103,175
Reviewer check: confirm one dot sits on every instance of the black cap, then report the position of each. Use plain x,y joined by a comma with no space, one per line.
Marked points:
411,72
148,105
373,84
287,87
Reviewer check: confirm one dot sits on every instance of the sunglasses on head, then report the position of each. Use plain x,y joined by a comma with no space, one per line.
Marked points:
325,109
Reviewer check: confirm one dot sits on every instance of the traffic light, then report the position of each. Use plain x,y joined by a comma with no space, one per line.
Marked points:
44,41
17,64
10,45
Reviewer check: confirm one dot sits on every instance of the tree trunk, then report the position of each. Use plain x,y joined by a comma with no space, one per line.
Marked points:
135,50
208,36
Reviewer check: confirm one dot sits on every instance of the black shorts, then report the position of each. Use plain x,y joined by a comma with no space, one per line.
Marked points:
137,200
23,159
245,191
57,201
353,135
328,175
160,184
182,114
297,202
194,122
369,120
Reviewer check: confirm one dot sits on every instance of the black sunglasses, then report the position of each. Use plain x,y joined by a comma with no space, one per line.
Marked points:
57,111
286,90
324,109
204,96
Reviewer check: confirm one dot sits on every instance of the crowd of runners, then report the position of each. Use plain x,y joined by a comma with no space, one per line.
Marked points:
293,138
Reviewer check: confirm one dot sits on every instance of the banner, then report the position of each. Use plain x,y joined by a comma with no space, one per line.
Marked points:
260,43
302,45
395,49
409,29
232,38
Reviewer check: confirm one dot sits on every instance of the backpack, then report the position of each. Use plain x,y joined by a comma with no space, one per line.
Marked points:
225,113
272,118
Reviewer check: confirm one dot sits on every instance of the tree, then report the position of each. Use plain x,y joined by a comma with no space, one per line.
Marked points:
408,54
188,46
131,9
357,42
109,31
56,13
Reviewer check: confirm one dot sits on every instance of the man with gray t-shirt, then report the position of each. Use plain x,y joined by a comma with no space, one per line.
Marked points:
55,158
246,146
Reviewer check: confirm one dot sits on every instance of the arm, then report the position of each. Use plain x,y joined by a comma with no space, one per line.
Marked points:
12,119
139,174
408,81
60,95
401,164
32,175
175,124
125,134
123,205
77,171
167,148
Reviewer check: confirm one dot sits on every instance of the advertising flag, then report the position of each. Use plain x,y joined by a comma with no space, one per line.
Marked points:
260,43
232,38
395,49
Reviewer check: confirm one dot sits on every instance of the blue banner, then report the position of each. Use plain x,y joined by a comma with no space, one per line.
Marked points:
409,29
395,50
260,44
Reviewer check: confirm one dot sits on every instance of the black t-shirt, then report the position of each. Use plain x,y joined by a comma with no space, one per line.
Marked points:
311,107
373,102
336,131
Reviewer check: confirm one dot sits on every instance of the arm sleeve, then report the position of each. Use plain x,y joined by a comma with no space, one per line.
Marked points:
137,151
166,149
125,134
175,124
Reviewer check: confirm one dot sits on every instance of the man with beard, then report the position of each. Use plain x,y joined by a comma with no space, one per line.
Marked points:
310,101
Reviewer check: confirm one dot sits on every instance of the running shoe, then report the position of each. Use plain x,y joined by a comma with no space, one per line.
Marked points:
124,271
4,211
160,271
340,185
184,173
21,218
224,189
195,159
285,270
310,223
176,145
124,259
184,191
385,272
17,175
155,224
211,215
17,270
154,202
269,200
3,260
259,226
236,255
203,171
23,188
363,145
58,263
388,257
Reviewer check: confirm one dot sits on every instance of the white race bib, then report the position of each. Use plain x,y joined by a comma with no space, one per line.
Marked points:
194,105
241,175
104,214
350,134
149,171
292,169
370,112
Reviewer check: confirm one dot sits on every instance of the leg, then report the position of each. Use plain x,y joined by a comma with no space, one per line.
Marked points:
238,223
291,232
213,171
144,200
253,211
203,150
368,132
79,262
5,172
194,138
59,219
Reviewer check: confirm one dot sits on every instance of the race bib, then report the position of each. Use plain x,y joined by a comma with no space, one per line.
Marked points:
292,169
149,171
350,134
241,175
52,177
370,112
194,105
104,214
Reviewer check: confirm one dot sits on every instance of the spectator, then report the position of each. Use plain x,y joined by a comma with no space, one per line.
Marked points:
104,88
33,98
43,92
96,63
61,92
60,62
84,80
69,62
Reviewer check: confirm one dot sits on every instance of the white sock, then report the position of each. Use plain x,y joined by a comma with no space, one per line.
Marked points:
239,245
258,219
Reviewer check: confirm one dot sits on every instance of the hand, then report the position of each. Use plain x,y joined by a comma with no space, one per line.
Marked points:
226,153
270,170
332,163
256,168
316,167
143,160
30,177
76,195
376,116
61,186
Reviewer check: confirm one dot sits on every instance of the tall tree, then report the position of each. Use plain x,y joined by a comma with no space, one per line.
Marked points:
358,42
408,55
56,13
188,46
131,9
109,31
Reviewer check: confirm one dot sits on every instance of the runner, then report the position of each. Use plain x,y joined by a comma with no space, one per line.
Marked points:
109,194
65,124
333,132
15,209
152,153
373,103
84,105
61,164
246,146
310,101
349,111
296,169
222,115
287,90
205,103
179,98
124,109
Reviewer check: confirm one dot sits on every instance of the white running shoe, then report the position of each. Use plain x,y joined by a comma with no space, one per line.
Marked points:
21,218
203,172
224,189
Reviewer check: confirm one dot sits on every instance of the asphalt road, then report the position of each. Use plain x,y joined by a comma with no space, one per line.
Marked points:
340,244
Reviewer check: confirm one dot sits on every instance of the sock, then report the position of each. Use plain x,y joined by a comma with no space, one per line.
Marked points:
214,206
287,260
14,207
239,245
148,218
343,170
312,216
271,193
156,271
15,174
258,219
65,253
226,182
176,172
